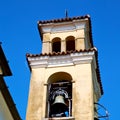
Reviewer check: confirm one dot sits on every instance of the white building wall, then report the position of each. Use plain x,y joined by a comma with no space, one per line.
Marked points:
4,111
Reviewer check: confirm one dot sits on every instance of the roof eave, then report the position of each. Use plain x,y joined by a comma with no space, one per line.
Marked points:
4,63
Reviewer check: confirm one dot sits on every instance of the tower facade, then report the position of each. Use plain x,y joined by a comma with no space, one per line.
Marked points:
65,81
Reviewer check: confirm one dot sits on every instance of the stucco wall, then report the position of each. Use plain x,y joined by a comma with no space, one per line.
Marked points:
4,111
78,34
82,91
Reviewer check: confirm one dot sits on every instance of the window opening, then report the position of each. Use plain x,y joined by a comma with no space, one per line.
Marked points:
56,45
60,99
70,44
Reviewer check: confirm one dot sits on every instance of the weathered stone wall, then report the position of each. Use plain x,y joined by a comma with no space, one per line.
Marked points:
82,106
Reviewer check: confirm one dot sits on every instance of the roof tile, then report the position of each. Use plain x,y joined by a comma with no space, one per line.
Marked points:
63,19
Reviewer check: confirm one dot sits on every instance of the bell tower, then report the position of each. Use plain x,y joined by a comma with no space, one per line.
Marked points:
65,79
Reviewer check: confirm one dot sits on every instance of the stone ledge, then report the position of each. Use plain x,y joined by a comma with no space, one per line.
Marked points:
59,118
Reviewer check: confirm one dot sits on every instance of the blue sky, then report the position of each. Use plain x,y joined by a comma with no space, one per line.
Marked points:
19,35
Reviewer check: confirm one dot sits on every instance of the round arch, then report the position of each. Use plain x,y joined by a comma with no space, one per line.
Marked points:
70,43
56,44
59,76
71,37
59,85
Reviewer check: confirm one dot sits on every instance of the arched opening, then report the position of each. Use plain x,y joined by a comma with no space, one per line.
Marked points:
59,95
70,43
59,76
56,45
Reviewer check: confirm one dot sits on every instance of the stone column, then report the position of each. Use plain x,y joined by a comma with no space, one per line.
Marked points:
50,47
47,47
63,45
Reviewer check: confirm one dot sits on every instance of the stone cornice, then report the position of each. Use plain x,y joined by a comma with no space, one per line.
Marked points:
62,60
62,27
67,59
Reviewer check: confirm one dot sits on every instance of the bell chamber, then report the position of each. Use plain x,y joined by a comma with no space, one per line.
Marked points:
60,99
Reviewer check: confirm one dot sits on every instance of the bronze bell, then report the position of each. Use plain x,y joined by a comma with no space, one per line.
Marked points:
59,107
59,99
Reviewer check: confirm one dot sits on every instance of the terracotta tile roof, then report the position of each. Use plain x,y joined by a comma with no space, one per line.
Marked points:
66,19
63,19
69,52
60,53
